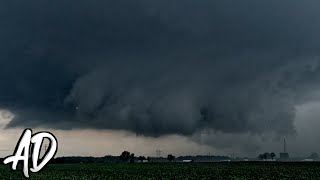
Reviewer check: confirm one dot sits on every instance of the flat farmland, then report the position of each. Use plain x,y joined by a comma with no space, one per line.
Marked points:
171,171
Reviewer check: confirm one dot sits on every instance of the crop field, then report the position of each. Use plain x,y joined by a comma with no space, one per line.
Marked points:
172,171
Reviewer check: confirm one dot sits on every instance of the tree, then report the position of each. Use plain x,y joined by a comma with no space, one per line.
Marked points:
273,155
149,159
141,158
266,156
132,158
170,157
125,156
261,156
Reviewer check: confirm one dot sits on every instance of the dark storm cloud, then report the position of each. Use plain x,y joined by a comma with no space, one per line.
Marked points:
156,68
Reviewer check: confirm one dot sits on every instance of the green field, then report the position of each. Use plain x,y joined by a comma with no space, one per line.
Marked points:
172,171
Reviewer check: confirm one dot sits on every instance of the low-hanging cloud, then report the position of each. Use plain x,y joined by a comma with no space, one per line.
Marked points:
158,68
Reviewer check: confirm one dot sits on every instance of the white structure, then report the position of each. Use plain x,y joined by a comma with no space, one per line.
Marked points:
308,160
269,160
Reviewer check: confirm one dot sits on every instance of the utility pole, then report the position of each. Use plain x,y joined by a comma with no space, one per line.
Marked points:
45,147
158,151
232,155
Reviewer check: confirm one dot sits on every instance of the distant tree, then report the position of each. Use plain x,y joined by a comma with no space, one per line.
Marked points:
170,157
266,156
314,156
261,156
125,156
132,158
149,159
273,155
141,158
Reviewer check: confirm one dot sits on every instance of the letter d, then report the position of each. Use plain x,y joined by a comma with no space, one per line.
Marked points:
37,140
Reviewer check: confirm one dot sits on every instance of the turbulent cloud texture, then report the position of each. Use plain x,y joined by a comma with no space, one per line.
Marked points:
158,68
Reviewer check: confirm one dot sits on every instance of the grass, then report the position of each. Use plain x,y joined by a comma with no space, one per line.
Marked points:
172,171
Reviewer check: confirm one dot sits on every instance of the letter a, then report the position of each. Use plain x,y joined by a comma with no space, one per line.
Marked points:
22,146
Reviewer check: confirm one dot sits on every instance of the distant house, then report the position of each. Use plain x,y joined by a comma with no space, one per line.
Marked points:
187,161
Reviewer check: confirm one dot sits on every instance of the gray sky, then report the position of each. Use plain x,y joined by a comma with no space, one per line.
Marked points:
229,75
